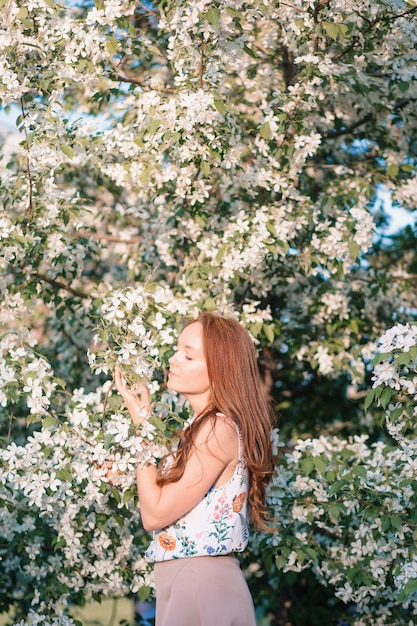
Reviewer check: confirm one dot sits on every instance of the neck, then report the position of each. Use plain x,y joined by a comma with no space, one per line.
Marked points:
198,403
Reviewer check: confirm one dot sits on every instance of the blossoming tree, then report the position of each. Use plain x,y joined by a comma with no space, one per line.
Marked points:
222,154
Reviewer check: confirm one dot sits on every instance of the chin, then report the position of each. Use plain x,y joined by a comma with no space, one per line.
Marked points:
170,385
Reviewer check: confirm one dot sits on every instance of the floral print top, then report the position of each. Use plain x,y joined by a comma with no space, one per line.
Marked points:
216,525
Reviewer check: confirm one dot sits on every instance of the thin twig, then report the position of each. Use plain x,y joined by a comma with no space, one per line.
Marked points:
147,10
128,77
79,234
202,58
29,173
291,6
106,402
9,432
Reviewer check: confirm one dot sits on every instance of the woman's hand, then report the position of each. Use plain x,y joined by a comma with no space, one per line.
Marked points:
139,405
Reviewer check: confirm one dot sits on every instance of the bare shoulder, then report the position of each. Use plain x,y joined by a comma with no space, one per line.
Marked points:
219,437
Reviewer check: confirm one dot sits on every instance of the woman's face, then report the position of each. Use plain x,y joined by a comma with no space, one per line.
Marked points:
188,368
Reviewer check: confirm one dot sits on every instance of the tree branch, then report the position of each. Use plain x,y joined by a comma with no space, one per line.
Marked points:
80,234
371,25
128,77
61,285
348,129
364,120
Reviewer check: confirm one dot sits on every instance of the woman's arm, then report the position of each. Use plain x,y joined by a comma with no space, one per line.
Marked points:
216,448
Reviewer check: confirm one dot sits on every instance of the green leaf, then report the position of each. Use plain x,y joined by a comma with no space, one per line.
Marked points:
265,131
354,249
213,16
280,561
330,476
32,419
393,170
205,168
220,106
311,553
331,29
404,358
337,486
49,421
210,304
369,399
409,588
221,252
201,220
251,52
27,23
359,470
379,357
335,510
234,13
386,396
59,543
354,325
320,463
154,50
112,46
22,13
64,474
116,495
153,126
396,522
406,482
268,330
395,414
343,31
67,150
307,465
144,593
413,352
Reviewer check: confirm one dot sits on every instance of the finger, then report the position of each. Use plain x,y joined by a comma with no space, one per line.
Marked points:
119,378
145,393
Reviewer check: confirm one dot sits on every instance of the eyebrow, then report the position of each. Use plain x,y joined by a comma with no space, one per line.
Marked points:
187,347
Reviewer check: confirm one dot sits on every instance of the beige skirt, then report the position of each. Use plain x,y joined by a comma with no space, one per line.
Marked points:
202,591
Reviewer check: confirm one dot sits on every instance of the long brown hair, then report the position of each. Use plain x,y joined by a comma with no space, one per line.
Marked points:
236,391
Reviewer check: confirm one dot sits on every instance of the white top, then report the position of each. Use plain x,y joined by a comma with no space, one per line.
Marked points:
216,525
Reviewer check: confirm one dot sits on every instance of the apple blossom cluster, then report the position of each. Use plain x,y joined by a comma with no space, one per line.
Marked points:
23,374
125,336
340,514
395,380
71,502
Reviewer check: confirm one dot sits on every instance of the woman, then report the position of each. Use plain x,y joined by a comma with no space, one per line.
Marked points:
196,502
